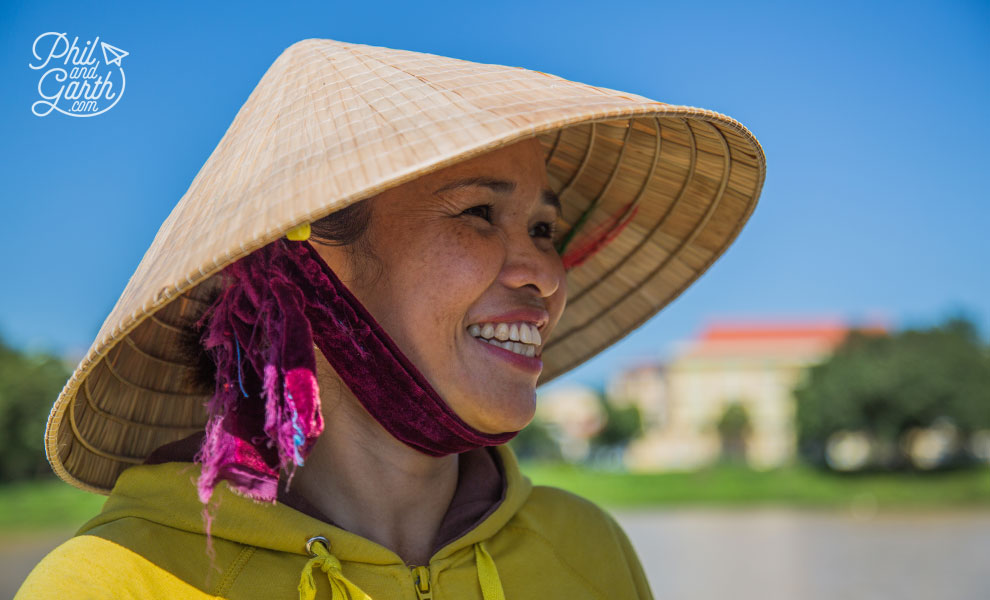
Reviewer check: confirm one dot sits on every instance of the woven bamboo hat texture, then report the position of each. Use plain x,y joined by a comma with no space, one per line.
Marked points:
660,190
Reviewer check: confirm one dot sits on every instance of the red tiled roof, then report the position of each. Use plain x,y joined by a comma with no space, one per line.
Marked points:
832,332
726,338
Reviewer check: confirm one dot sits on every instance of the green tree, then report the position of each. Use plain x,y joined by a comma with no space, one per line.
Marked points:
29,385
535,442
885,385
733,426
622,425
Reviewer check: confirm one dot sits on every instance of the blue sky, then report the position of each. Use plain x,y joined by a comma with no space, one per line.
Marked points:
873,116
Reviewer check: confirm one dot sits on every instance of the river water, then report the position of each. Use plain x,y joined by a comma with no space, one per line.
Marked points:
760,554
785,553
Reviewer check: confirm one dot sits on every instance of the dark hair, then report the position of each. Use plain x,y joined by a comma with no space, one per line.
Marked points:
348,228
345,227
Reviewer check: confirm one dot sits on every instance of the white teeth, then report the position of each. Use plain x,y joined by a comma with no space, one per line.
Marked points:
521,338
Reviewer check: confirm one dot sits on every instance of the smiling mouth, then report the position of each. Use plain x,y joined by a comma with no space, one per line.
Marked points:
519,338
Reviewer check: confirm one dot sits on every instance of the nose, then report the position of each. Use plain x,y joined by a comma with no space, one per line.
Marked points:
528,265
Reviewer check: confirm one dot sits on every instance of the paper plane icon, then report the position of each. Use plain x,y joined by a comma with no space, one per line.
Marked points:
117,54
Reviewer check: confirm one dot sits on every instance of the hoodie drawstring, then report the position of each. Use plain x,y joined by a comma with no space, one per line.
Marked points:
491,585
343,589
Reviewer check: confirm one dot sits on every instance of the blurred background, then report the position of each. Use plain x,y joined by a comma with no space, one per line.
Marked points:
810,419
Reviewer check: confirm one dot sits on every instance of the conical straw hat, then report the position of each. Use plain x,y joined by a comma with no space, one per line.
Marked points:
663,189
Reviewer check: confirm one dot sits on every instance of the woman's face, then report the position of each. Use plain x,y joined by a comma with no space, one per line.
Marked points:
466,253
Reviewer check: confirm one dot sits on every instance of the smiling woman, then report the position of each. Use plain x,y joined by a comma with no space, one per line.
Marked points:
473,253
359,294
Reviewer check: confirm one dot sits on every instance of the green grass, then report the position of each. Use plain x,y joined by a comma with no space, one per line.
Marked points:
739,486
45,505
53,505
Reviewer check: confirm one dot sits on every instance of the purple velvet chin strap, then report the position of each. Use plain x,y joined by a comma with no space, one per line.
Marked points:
265,414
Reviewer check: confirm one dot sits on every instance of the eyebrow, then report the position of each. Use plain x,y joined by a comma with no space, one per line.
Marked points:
499,186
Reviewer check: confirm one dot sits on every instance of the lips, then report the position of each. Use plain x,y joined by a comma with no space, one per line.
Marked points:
529,364
522,338
513,336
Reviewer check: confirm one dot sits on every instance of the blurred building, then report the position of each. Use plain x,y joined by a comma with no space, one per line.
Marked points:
687,404
642,386
573,414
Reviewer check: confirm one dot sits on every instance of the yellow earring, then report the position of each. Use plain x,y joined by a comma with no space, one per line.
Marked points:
299,234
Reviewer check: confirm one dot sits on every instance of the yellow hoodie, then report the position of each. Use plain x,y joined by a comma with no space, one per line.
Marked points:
149,542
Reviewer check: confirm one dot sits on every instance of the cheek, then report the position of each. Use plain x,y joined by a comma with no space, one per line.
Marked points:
439,280
461,260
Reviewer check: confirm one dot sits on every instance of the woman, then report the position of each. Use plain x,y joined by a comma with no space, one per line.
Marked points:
364,285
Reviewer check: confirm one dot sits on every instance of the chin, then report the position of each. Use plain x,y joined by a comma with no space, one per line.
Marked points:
501,415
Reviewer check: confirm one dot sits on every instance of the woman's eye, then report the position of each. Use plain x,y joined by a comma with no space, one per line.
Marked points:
544,230
482,210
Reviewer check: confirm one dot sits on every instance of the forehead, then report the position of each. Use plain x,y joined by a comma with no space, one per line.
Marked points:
522,162
517,168
524,158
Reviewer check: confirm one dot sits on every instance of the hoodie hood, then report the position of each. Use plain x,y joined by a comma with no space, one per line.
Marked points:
149,542
166,494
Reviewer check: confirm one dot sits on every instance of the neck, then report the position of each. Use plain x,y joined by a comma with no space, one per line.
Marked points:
371,484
